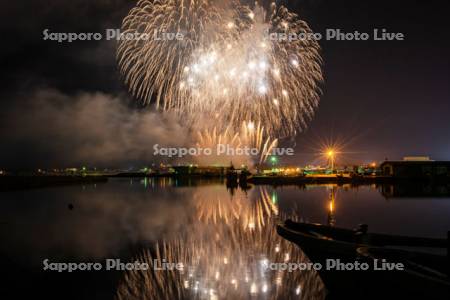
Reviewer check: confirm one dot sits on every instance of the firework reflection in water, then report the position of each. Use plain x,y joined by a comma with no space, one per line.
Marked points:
225,253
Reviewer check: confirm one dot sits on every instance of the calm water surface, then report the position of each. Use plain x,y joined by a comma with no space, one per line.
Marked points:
223,237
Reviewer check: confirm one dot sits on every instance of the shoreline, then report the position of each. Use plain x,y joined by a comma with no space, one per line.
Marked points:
8,183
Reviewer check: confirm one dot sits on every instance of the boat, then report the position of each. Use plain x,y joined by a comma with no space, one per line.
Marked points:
232,179
319,241
322,243
427,275
320,235
426,265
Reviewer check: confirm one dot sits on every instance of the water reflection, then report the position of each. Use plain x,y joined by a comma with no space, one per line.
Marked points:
416,190
331,220
225,252
215,207
105,219
200,223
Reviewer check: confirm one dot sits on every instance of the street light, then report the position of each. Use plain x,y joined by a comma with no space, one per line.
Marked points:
331,156
273,160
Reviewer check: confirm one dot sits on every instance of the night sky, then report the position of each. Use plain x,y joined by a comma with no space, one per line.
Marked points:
65,104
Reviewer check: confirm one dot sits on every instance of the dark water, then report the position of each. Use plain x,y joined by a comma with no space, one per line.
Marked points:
220,236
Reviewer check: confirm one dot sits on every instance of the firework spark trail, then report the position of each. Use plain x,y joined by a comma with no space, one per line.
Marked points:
226,66
249,136
154,67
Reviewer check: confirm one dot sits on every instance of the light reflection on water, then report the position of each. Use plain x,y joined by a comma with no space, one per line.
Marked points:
201,223
225,252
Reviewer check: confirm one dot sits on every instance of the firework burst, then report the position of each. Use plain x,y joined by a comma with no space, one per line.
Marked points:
227,64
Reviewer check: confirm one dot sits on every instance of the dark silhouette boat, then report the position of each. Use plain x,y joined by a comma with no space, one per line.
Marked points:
341,240
424,273
232,179
426,265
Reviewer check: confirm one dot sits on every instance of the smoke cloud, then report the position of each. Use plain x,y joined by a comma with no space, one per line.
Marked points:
88,128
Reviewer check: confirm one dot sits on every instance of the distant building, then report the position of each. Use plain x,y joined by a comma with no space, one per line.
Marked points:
316,170
285,171
416,167
417,158
200,170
